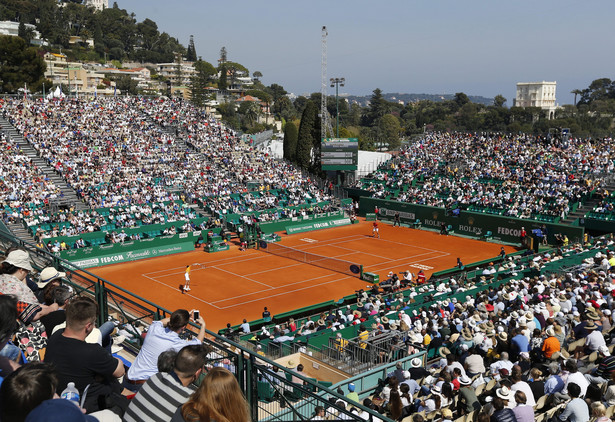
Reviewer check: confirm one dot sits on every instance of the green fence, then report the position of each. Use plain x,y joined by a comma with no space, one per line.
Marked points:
297,225
505,229
247,365
130,251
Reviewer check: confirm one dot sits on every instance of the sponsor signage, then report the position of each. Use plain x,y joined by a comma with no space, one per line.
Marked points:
317,225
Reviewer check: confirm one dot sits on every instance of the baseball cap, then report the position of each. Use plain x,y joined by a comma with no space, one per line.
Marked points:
19,259
604,350
351,387
58,410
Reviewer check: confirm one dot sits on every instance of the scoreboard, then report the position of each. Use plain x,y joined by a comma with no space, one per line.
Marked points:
339,154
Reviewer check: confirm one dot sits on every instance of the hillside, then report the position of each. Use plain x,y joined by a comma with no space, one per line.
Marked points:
363,100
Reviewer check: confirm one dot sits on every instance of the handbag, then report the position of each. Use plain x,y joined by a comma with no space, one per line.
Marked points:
31,340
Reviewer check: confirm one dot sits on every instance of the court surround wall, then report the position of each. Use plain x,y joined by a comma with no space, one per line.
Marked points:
130,251
505,229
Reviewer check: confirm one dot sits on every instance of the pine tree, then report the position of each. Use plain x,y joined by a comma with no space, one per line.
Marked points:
306,140
191,52
290,141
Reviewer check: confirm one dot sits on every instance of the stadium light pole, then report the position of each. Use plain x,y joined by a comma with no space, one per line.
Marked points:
337,82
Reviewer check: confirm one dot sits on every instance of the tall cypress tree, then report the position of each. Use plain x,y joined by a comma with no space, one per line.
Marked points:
191,52
306,140
290,141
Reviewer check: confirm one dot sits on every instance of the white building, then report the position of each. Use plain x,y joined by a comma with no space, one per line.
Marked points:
97,4
12,29
537,94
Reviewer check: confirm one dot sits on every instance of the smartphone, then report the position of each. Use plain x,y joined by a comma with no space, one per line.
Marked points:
196,315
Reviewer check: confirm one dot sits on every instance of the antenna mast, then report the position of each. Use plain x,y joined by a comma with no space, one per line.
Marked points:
325,123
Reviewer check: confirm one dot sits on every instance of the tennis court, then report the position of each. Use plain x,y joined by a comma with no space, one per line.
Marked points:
232,285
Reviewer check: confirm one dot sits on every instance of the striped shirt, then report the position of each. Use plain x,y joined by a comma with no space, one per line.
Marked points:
158,399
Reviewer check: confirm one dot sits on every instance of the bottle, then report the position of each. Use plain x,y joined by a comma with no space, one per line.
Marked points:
71,393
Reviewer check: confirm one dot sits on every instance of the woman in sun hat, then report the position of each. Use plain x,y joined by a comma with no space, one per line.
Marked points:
13,272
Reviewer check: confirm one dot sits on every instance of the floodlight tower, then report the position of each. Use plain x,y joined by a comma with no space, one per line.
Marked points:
323,86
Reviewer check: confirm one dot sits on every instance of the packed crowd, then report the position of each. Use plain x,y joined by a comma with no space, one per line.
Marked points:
540,342
267,206
519,174
22,185
73,223
120,151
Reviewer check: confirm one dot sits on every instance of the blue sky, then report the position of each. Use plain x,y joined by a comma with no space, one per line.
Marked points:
431,46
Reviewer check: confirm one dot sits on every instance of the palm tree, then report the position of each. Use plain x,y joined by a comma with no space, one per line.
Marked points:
576,92
252,112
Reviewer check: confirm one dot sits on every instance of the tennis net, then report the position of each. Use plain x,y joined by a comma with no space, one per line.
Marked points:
333,264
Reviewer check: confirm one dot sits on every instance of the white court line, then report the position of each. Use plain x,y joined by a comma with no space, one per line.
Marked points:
243,276
191,295
279,294
408,263
347,239
274,288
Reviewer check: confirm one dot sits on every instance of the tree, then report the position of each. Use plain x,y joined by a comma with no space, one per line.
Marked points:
378,107
191,51
19,64
222,84
499,101
204,71
389,129
290,141
126,85
284,108
461,99
250,110
306,139
257,75
576,92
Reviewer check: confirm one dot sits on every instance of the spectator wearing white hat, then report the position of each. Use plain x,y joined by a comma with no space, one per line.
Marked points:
48,279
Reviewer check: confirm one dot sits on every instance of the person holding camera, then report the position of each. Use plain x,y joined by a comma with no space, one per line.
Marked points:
161,336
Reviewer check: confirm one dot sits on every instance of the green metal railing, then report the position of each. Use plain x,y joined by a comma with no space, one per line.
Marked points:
292,402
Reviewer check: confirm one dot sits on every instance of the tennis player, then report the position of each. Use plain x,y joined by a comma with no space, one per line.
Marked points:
375,232
187,277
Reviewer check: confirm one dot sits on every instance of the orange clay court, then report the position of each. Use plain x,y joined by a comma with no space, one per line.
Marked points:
232,285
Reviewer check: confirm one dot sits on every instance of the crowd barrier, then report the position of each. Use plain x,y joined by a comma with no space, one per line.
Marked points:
114,253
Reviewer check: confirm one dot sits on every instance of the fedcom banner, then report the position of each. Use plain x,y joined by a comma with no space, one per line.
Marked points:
317,225
132,251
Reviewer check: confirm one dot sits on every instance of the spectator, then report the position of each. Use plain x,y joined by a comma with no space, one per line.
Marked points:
162,335
86,364
161,395
576,410
218,398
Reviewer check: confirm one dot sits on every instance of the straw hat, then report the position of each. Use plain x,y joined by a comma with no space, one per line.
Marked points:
291,364
321,322
454,337
384,320
593,316
591,326
503,336
467,335
444,352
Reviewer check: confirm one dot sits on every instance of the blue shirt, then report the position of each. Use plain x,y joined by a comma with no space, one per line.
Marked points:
521,342
554,384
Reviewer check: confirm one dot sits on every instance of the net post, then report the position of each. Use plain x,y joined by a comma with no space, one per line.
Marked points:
361,273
